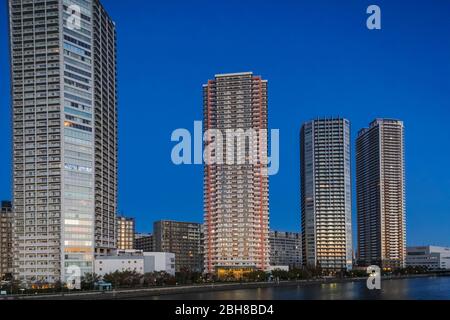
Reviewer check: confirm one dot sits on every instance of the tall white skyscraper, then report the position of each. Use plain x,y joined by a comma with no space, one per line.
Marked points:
63,60
326,194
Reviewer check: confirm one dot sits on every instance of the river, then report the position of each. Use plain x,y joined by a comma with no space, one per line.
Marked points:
431,288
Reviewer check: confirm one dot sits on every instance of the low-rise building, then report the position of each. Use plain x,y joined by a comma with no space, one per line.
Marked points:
159,261
144,242
6,257
278,268
431,257
125,233
135,260
182,238
285,249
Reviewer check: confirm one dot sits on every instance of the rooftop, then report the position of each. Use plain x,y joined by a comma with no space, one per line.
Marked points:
233,74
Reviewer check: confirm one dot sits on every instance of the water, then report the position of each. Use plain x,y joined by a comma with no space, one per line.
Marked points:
433,288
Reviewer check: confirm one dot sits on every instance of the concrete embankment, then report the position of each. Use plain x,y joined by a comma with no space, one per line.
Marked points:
173,290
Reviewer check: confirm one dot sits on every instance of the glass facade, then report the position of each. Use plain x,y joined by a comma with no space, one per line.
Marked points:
78,209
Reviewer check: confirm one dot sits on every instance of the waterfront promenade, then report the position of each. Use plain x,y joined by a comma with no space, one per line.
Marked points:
197,291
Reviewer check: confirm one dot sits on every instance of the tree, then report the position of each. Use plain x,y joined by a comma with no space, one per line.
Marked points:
163,278
113,278
58,286
186,276
88,281
7,277
15,286
149,279
281,274
356,273
257,275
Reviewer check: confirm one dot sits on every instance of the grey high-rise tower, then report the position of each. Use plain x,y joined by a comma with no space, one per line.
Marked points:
380,186
326,194
63,61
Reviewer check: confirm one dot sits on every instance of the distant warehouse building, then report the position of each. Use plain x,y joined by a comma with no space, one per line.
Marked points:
431,257
135,260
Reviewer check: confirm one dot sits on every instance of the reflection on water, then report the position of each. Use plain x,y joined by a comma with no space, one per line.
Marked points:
410,289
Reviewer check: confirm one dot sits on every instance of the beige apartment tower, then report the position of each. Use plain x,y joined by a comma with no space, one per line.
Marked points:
236,194
380,186
126,230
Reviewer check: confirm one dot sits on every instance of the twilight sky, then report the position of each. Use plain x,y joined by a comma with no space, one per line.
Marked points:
319,59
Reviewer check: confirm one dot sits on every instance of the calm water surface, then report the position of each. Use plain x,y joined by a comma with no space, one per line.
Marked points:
435,288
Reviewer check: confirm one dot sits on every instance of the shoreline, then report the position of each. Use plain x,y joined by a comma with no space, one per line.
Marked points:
124,294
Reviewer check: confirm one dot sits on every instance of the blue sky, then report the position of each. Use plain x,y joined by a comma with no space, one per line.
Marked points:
319,59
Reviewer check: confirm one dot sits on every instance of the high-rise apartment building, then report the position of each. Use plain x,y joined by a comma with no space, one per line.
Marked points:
144,242
63,61
182,238
380,187
6,220
326,194
126,229
236,193
285,249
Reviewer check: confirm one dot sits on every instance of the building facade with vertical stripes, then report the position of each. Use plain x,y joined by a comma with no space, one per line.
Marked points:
63,69
326,194
380,191
236,194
